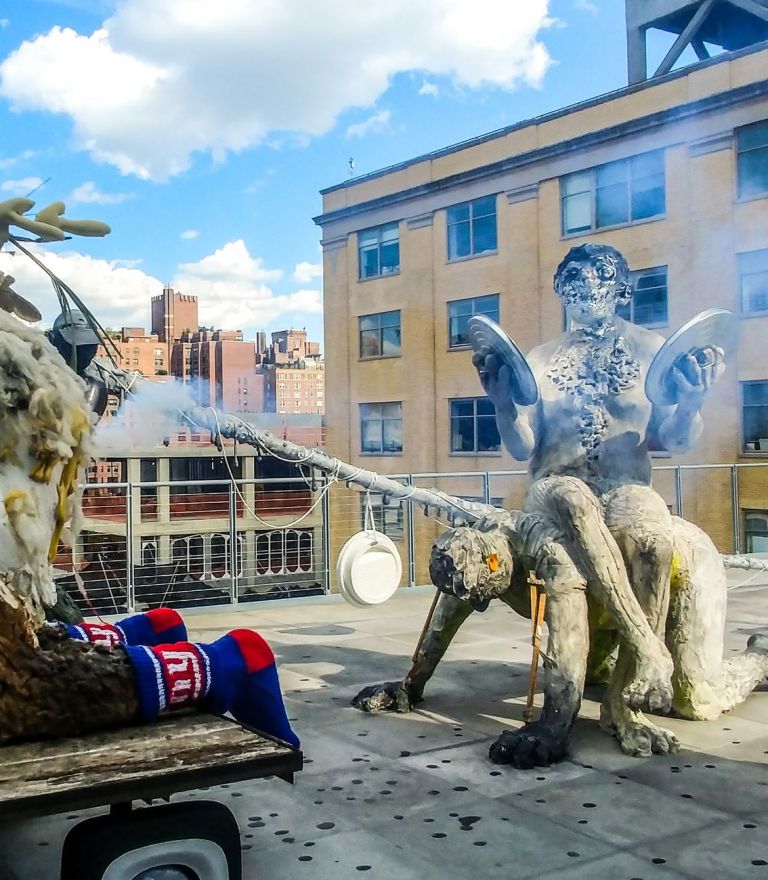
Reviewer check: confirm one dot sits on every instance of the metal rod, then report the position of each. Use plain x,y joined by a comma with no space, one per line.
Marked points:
326,533
130,587
233,548
736,511
679,491
411,535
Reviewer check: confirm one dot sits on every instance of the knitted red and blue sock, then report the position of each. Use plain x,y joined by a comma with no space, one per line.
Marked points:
161,626
235,674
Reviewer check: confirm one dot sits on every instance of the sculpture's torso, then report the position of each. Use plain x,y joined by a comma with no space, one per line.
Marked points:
593,417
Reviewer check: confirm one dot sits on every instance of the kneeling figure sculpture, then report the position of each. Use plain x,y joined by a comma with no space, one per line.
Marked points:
636,597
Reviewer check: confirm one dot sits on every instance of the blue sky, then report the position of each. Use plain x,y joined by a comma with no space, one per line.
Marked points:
203,131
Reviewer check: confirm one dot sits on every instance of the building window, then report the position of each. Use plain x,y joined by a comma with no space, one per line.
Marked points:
461,310
380,335
755,416
387,515
613,194
381,427
473,425
472,228
379,250
753,281
752,159
756,531
648,305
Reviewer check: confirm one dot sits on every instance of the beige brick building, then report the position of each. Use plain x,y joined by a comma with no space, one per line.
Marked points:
673,172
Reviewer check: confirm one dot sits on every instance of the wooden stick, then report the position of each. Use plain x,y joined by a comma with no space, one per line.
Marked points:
538,606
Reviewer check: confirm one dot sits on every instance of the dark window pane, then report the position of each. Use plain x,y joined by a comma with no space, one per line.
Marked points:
482,207
369,263
484,234
390,319
577,213
390,341
458,331
753,136
393,435
756,393
390,258
371,436
612,174
459,244
753,172
488,306
461,307
369,344
462,408
463,435
485,407
612,205
488,439
458,213
648,197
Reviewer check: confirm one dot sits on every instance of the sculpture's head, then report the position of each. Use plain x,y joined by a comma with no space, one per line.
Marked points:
592,281
471,565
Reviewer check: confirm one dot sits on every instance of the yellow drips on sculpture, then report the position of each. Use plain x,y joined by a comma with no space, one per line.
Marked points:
81,427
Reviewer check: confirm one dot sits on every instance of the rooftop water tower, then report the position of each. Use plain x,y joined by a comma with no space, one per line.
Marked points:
729,24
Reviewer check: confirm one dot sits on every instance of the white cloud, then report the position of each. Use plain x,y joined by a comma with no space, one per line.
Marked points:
429,88
305,272
587,6
372,125
189,233
21,187
230,285
159,82
88,193
233,294
116,294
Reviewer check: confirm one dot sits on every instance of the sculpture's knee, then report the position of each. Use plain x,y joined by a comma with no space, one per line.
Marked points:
653,547
560,496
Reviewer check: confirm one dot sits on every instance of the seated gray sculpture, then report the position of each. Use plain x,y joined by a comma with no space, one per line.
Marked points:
594,530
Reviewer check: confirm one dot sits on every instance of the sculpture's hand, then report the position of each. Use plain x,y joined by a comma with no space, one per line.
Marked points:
697,372
495,379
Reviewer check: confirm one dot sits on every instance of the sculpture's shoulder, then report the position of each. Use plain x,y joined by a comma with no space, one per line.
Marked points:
644,342
539,357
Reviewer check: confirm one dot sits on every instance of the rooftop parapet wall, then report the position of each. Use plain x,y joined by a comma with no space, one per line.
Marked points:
662,99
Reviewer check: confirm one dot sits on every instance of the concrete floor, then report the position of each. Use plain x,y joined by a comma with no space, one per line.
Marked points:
414,796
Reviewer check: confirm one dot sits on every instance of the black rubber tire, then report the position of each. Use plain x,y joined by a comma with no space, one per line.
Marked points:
91,847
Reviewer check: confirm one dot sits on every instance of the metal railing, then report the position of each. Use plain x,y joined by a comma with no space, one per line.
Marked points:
146,544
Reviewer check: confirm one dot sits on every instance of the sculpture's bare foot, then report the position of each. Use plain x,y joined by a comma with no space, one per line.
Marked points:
650,688
532,745
637,735
390,696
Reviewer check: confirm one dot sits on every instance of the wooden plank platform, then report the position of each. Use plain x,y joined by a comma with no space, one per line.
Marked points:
134,763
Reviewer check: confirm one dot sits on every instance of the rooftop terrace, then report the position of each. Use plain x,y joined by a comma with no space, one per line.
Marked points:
414,796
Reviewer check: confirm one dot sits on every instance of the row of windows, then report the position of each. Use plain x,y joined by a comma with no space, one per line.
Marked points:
473,426
473,423
380,334
613,194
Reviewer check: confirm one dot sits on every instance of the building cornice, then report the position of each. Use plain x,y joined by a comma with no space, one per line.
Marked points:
641,125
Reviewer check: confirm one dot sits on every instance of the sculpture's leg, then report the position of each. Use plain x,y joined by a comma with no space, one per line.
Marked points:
636,734
641,523
545,741
579,515
705,685
401,696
